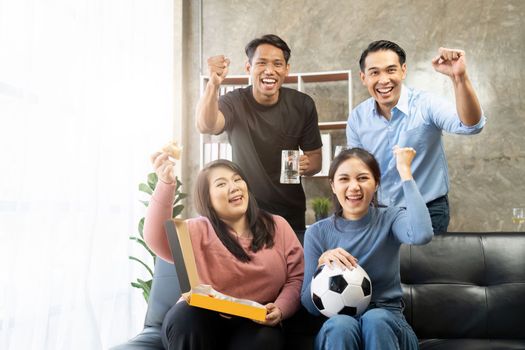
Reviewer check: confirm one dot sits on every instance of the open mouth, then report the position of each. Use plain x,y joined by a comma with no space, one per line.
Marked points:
235,200
269,83
384,91
354,198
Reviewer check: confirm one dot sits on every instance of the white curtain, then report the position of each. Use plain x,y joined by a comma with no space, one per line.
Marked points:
86,94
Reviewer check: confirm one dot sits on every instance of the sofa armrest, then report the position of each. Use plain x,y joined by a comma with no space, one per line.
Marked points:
148,339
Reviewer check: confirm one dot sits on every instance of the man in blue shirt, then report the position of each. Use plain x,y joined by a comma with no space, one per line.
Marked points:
398,115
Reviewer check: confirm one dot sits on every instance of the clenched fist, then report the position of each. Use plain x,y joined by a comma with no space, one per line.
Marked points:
451,62
218,69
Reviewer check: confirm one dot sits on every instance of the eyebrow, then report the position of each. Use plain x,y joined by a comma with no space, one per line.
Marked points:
346,174
387,67
219,179
222,178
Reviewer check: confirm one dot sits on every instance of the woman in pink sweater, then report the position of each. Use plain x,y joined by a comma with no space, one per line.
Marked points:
239,249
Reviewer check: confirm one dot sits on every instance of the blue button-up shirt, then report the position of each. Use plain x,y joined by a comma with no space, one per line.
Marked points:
416,121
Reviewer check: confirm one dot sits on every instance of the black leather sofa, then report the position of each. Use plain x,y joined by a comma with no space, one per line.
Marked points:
462,291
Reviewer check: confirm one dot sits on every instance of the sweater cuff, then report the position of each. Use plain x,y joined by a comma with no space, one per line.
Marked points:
164,193
287,307
409,187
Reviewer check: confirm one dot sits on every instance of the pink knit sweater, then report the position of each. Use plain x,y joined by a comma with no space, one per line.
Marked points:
273,275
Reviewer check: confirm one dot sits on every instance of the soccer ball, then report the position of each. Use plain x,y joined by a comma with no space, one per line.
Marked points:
336,291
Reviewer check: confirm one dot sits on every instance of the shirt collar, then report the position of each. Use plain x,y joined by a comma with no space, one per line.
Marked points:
402,104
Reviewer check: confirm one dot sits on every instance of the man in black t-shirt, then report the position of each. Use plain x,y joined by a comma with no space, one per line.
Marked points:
262,120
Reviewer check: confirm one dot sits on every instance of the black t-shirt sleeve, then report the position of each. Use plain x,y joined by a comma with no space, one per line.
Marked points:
311,137
226,106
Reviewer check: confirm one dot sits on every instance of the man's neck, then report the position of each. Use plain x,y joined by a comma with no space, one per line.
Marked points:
385,110
266,100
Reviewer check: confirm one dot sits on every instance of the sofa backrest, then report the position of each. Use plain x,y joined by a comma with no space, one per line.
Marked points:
466,285
165,292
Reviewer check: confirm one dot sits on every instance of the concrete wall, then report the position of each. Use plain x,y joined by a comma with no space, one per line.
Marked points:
486,171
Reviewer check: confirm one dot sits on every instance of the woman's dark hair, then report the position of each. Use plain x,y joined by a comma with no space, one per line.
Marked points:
261,223
271,39
367,158
382,45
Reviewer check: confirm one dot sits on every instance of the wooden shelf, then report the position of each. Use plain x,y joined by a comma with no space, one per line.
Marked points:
340,125
236,80
325,76
293,78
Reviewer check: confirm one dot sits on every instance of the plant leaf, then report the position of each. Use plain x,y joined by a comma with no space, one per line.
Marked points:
136,285
142,263
177,210
178,197
146,285
141,242
145,188
146,203
152,180
141,227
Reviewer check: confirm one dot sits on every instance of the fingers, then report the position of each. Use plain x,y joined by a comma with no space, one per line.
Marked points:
273,315
450,54
154,156
219,61
218,66
447,55
400,150
404,157
339,257
163,167
304,164
165,173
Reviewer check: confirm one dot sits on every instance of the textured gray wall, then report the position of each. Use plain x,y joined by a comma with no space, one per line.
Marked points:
487,170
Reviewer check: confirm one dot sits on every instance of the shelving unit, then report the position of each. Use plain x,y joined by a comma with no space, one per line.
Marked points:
300,82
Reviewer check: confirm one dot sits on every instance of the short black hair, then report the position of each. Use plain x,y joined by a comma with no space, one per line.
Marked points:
381,45
271,39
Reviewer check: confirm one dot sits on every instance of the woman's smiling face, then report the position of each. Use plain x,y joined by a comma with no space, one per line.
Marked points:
228,193
354,186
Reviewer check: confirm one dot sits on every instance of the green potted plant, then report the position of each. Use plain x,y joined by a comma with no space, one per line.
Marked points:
148,188
321,206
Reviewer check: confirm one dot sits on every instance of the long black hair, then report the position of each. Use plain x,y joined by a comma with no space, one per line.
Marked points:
367,158
261,223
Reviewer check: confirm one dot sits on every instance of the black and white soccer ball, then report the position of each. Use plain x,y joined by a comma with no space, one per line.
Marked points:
337,291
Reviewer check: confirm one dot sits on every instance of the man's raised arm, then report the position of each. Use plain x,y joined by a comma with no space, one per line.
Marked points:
208,118
453,63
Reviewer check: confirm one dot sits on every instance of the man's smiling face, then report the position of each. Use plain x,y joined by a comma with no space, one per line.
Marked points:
383,76
267,69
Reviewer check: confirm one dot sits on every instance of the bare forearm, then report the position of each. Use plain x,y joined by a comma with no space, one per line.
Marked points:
207,112
315,163
467,104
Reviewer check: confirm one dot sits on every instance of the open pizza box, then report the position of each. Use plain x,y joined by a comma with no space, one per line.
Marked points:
201,295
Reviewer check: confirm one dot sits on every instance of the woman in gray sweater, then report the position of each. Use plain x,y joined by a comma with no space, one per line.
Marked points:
361,231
